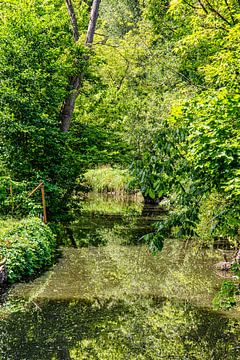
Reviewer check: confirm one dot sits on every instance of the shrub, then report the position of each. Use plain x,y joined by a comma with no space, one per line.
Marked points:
218,218
28,246
227,296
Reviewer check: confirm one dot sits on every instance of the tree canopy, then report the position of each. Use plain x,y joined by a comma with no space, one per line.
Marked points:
160,94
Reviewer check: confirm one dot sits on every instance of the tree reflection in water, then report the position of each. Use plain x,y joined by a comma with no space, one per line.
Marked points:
118,302
147,328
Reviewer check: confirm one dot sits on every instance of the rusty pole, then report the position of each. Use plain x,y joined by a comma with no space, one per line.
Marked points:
34,190
44,204
11,196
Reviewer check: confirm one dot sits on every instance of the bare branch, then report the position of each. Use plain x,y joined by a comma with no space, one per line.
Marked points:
203,7
192,6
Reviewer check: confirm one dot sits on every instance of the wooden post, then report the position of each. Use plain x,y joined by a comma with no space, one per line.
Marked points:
36,188
44,204
11,196
40,186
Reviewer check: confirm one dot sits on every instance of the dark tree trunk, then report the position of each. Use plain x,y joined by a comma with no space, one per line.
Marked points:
75,82
73,20
63,354
69,102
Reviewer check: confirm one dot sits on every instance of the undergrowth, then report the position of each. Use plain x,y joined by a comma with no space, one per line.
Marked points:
28,246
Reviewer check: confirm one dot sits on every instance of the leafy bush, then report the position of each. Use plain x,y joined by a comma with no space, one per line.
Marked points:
227,296
218,218
28,246
7,224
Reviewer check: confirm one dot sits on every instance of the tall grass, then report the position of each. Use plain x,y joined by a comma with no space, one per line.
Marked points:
107,179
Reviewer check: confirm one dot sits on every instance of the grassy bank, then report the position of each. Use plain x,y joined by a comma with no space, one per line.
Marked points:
28,246
107,179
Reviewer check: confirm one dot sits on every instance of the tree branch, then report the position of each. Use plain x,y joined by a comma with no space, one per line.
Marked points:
192,6
73,20
212,9
203,7
230,11
75,82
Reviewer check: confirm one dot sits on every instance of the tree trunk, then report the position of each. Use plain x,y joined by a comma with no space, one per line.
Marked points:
75,82
92,22
73,20
69,102
3,272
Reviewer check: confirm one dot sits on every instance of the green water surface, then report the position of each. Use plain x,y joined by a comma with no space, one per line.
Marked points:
117,301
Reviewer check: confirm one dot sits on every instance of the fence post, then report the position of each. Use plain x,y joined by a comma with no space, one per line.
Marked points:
11,196
44,204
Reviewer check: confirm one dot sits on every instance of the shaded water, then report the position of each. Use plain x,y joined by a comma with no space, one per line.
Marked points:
117,301
122,217
116,329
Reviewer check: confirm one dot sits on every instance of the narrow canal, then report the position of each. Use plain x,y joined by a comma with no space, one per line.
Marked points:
113,300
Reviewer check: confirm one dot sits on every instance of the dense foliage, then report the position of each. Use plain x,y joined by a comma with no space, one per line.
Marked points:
37,57
28,246
160,93
15,200
176,81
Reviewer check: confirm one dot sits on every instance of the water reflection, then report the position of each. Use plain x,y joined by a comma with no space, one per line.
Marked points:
118,301
150,328
117,271
101,217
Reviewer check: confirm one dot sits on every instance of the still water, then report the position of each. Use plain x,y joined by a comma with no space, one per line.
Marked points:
117,301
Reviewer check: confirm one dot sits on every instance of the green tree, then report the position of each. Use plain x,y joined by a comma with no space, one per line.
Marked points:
35,61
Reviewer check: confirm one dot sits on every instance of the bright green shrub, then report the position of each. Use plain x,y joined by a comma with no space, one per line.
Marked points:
217,218
28,246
